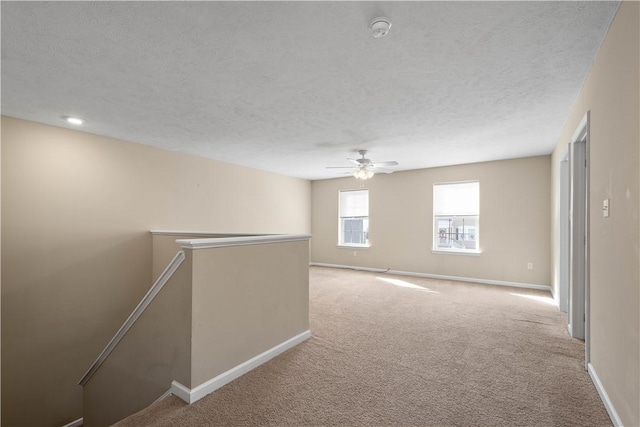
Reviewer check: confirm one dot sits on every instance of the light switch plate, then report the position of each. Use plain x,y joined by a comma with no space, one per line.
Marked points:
605,208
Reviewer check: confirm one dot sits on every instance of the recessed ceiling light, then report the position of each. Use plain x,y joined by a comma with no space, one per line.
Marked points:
73,120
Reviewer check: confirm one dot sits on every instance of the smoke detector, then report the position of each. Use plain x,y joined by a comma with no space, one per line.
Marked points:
379,27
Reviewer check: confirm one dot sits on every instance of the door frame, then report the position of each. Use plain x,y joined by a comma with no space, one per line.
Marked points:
563,269
579,295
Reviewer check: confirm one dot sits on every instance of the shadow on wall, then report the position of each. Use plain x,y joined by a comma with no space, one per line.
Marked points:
60,307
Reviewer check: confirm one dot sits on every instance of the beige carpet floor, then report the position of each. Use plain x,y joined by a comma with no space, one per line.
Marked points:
405,351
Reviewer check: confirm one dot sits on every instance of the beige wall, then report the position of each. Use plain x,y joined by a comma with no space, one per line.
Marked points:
153,353
222,307
611,93
514,222
246,300
76,247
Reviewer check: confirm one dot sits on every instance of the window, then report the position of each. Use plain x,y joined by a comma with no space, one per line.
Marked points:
354,218
456,214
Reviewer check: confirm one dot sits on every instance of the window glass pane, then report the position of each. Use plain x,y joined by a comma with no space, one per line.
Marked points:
457,232
355,231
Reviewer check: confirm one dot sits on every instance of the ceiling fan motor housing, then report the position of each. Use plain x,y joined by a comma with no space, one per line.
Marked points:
364,161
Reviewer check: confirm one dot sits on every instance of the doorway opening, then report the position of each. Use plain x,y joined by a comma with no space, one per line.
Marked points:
574,235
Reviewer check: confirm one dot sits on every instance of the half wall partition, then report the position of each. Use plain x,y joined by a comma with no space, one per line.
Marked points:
222,306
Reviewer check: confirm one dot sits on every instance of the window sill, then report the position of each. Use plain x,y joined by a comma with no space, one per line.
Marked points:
455,252
353,246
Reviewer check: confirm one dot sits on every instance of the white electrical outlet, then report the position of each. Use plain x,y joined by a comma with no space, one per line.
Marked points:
530,266
355,253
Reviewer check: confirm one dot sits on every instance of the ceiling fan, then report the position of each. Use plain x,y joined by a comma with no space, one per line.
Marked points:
365,168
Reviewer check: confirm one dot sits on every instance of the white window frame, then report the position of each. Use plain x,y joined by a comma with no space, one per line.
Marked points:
456,213
350,213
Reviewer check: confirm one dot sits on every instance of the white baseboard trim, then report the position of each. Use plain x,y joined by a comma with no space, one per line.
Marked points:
164,396
350,267
615,419
438,276
76,423
197,393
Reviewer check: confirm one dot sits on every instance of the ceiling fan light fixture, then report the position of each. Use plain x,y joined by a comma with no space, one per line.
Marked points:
379,27
363,174
365,168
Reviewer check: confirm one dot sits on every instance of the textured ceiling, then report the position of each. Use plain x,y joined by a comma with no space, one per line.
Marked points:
292,87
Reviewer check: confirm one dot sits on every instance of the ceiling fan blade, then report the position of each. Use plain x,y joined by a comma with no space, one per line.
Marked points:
339,167
383,164
355,162
381,170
